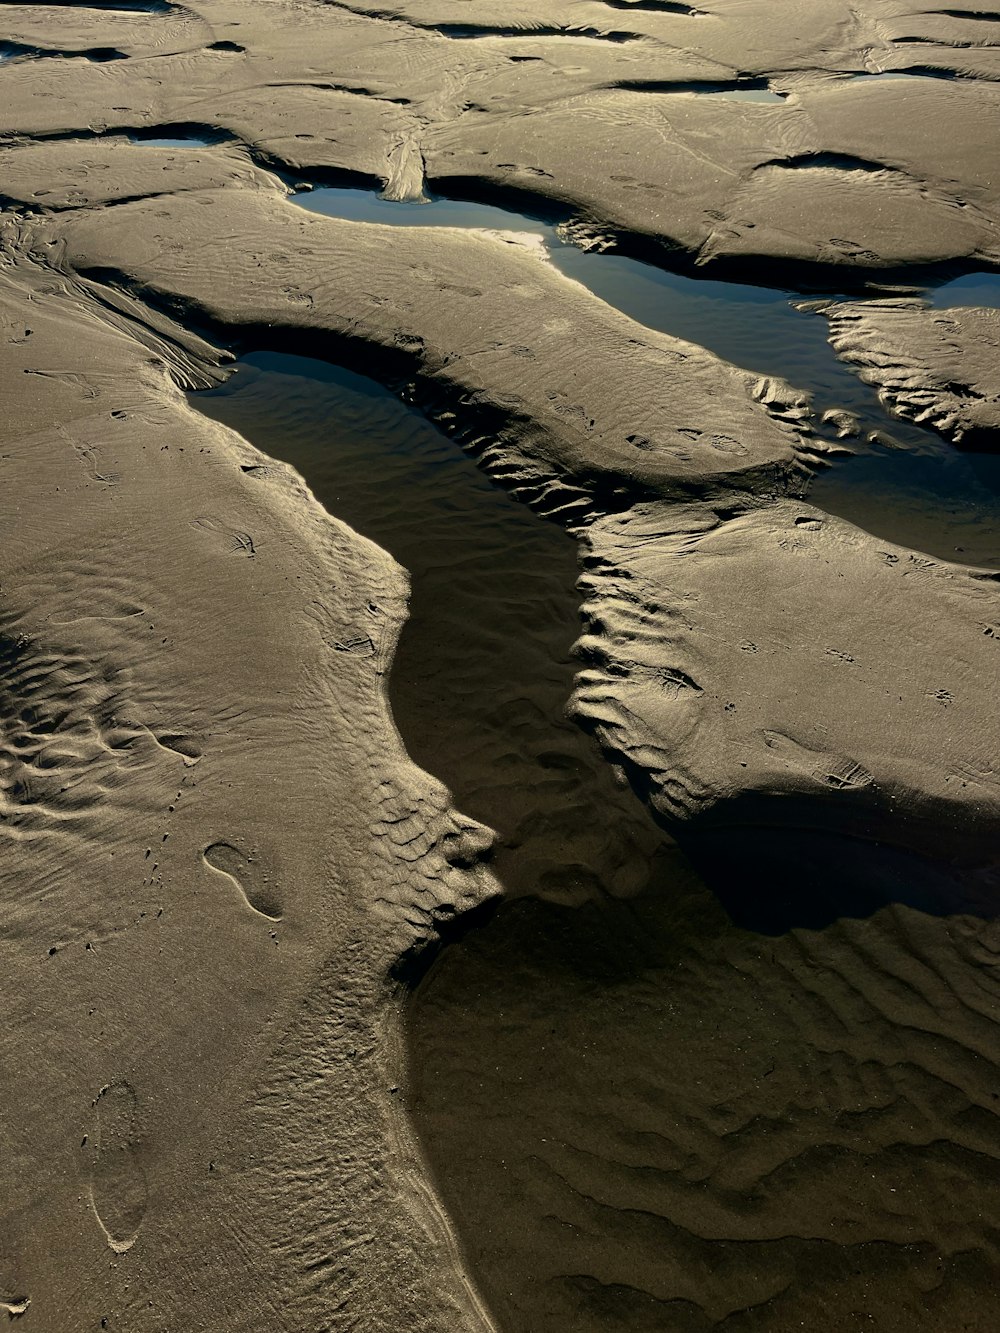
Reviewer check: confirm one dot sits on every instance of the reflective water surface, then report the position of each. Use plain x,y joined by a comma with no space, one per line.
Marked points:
900,481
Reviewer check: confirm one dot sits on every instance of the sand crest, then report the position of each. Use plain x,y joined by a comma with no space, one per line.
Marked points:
702,681
938,367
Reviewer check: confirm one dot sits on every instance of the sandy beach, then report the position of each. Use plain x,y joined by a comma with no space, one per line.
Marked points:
499,628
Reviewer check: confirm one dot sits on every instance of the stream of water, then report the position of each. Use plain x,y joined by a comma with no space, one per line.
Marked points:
483,668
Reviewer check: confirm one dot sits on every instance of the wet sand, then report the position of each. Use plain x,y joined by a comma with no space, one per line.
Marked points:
621,1130
643,1117
485,574
654,399
893,476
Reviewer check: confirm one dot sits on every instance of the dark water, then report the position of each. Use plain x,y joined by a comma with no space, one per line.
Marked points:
129,6
906,485
750,94
124,6
972,289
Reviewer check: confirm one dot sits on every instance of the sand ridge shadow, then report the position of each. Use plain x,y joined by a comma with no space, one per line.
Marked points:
775,879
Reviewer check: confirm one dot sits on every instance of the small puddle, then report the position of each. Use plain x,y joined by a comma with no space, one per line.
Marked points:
536,33
907,485
192,140
364,206
713,91
128,6
885,76
743,94
913,75
122,6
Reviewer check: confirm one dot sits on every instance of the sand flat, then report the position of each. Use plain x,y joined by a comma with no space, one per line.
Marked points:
162,809
269,1061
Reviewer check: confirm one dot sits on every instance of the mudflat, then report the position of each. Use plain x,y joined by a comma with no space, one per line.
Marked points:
498,756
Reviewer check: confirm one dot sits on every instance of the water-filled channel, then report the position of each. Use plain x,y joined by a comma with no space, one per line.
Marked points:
906,484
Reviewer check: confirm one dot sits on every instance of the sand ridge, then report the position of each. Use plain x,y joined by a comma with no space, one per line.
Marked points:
699,678
563,421
933,366
144,648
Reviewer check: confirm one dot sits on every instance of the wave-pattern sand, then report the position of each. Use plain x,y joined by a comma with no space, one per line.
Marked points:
222,870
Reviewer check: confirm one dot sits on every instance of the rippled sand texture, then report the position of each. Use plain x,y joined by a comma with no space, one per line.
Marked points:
631,1099
714,1128
204,801
944,371
486,574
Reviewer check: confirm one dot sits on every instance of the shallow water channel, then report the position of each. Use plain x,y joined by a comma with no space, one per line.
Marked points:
906,485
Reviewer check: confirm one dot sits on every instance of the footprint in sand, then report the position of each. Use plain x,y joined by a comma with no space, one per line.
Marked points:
837,771
235,540
249,876
186,746
117,1182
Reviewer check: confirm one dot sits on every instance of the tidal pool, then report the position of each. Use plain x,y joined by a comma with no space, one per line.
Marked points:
189,139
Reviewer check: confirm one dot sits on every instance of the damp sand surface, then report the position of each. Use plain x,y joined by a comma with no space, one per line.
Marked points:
644,1117
899,481
646,1103
483,670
